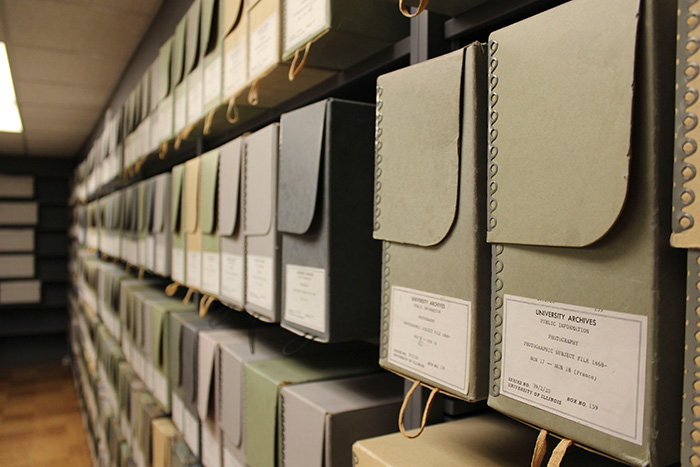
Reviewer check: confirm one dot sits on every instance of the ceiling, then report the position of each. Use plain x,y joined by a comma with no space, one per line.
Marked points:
66,58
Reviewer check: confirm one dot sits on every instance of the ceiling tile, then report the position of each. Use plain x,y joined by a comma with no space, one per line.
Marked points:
144,7
38,65
11,144
63,95
46,141
60,117
73,27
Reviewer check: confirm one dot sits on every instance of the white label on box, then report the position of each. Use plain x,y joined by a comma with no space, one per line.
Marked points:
160,258
264,46
303,18
150,252
191,432
194,269
212,80
178,265
260,283
177,412
429,336
230,460
180,117
232,276
210,272
234,70
561,358
160,387
211,448
194,96
305,296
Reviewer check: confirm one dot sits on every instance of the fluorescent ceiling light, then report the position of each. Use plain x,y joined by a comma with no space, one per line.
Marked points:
10,120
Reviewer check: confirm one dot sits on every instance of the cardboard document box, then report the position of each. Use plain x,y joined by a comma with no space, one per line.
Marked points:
163,130
208,225
209,391
113,225
92,233
182,456
429,211
212,58
148,413
267,74
16,240
130,226
331,266
20,291
193,231
230,218
443,7
179,72
263,382
588,308
19,213
235,47
194,68
102,232
164,434
338,34
161,232
154,98
320,421
16,186
262,241
146,196
16,266
474,440
178,205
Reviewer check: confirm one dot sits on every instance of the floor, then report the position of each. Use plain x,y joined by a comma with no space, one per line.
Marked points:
40,421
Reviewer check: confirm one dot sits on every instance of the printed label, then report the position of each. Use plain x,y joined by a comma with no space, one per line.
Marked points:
191,432
302,19
150,252
160,387
180,116
305,296
264,46
211,448
194,269
212,80
161,259
260,283
429,336
230,460
210,273
177,412
234,70
194,96
561,358
232,276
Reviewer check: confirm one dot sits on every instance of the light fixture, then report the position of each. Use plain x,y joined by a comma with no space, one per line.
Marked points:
10,121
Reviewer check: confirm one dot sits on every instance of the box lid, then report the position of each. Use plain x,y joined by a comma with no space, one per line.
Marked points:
192,46
165,57
559,177
233,12
417,171
230,190
177,72
208,191
192,179
210,31
145,99
261,176
178,194
160,196
301,150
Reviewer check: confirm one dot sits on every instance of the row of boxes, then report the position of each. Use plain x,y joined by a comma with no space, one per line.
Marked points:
520,238
234,49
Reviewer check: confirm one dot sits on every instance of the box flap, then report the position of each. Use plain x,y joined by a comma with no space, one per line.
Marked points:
229,192
303,429
301,148
145,99
192,36
176,201
177,72
559,176
208,346
417,168
150,199
208,191
160,185
158,346
210,26
233,12
192,178
260,175
165,69
142,203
